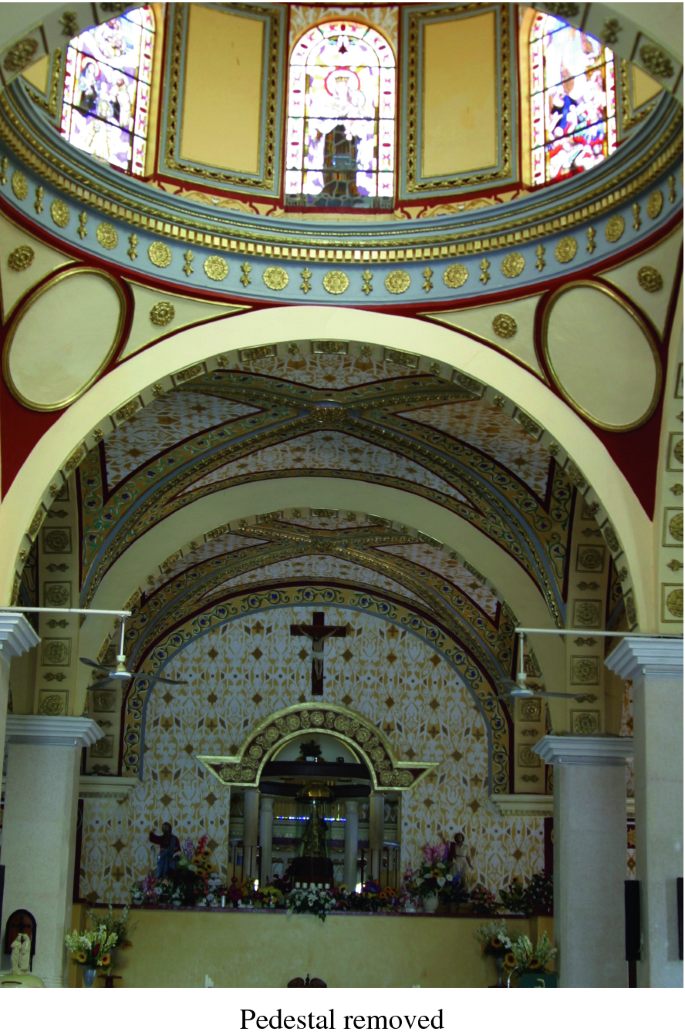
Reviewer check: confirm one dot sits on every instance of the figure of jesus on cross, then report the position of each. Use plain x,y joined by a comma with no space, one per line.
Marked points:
317,633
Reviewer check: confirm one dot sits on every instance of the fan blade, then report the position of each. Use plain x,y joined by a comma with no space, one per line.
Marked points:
94,664
572,697
100,684
173,682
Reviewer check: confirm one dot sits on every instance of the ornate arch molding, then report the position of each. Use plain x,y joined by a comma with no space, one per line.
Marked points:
250,603
489,376
245,768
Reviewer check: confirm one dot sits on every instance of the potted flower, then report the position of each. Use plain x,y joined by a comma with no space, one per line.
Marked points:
540,895
92,950
432,877
493,938
482,900
318,901
409,897
522,958
119,926
514,898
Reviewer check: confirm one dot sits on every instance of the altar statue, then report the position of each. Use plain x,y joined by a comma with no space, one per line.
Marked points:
457,857
20,975
169,849
314,837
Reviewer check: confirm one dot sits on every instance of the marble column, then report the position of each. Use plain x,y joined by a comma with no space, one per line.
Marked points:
351,843
39,829
589,857
250,831
266,834
376,833
17,636
656,669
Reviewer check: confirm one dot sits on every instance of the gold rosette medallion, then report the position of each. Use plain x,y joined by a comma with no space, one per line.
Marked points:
513,264
455,275
397,282
275,278
504,326
566,249
614,229
335,282
649,279
159,254
21,258
107,236
215,267
655,203
59,213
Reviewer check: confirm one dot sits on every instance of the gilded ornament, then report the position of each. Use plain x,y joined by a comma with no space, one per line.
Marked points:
4,162
655,204
504,326
397,282
637,221
427,279
245,269
306,275
656,62
586,723
540,260
563,10
675,526
367,277
335,282
21,258
188,262
275,278
60,213
566,249
69,24
609,34
132,251
215,267
499,401
434,369
614,229
82,220
678,451
649,279
20,55
675,565
162,313
484,266
455,276
159,254
20,185
677,489
671,188
591,233
38,203
513,264
52,704
107,236
293,348
674,603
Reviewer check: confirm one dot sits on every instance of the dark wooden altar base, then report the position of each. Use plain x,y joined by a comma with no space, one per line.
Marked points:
308,870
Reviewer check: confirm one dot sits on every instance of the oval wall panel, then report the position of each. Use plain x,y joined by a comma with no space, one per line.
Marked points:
62,338
601,356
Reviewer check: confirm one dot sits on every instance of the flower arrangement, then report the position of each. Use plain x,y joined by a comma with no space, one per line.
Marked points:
523,959
318,901
514,898
120,927
92,948
483,901
453,891
193,881
493,938
540,895
433,873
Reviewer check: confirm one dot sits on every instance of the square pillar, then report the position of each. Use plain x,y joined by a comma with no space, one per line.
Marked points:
266,836
376,833
655,666
351,843
589,857
17,636
39,829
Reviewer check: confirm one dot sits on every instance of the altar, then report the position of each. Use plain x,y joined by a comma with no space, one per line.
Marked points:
239,948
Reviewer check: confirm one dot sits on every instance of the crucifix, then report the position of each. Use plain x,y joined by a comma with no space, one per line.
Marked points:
317,633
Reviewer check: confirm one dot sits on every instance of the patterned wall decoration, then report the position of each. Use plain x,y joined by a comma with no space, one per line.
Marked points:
239,673
670,554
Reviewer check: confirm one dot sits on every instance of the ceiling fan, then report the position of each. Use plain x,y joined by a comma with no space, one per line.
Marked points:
519,689
121,673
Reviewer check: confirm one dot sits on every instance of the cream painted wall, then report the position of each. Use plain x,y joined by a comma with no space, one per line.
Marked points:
236,950
223,75
436,343
459,96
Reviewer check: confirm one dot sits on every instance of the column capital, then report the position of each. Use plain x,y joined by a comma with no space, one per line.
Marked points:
351,805
266,802
594,750
640,657
52,730
17,636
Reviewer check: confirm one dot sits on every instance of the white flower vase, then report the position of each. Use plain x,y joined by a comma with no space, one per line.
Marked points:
89,975
430,903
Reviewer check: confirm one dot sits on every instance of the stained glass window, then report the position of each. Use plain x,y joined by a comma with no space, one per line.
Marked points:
340,146
105,109
573,100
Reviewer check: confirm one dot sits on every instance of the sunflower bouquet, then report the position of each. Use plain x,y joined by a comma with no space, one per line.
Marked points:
493,938
119,926
92,948
522,958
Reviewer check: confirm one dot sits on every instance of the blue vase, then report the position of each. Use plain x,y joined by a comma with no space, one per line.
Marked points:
89,975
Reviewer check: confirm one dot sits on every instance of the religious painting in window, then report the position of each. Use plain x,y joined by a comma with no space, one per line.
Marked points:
573,100
340,145
105,108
